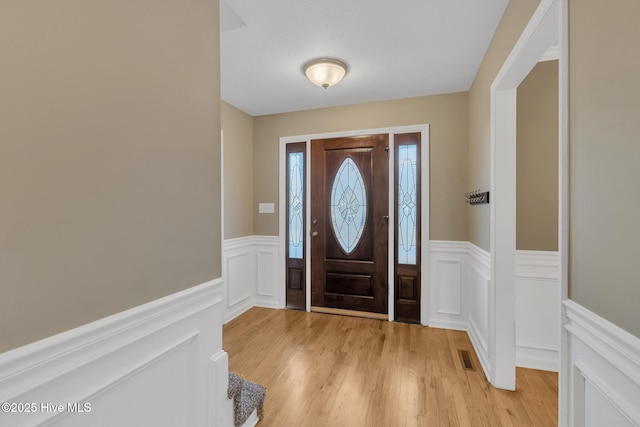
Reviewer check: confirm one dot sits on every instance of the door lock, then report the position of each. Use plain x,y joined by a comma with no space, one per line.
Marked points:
314,234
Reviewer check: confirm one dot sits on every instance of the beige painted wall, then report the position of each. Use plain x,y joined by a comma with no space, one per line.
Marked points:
238,172
514,20
447,115
537,159
604,125
109,158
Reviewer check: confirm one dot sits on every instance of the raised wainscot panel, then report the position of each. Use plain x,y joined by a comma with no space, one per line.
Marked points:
447,287
240,277
269,292
265,260
537,310
238,273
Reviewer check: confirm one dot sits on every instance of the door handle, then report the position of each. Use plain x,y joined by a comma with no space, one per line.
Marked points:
314,234
385,217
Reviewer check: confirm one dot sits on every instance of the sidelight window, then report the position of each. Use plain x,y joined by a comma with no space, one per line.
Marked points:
295,225
407,227
296,205
407,208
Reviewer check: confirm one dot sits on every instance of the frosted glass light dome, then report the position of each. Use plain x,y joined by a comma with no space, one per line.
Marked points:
325,72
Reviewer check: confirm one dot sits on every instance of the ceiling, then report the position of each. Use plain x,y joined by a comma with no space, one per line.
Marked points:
394,48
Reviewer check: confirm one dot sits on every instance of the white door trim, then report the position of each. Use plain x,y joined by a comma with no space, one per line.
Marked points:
424,158
563,211
541,32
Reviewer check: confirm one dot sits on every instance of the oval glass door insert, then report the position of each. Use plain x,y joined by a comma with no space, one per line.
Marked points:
348,205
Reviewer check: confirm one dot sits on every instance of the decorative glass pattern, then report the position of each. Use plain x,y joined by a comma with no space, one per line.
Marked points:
407,203
348,205
296,208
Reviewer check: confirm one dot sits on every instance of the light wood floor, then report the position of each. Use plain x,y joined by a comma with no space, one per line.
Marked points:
328,370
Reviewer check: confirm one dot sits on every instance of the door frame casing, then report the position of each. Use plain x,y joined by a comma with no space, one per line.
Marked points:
424,218
543,29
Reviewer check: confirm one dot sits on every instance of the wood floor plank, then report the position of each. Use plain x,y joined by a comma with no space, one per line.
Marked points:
328,370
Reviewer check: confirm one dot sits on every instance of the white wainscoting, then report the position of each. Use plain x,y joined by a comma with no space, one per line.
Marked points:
603,371
238,274
478,279
269,290
250,273
159,364
447,290
459,292
537,310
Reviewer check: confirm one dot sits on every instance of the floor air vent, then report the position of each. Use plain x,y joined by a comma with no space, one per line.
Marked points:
466,360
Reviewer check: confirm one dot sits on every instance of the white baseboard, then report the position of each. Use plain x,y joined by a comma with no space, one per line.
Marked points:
479,344
264,304
159,364
603,371
536,356
238,309
455,326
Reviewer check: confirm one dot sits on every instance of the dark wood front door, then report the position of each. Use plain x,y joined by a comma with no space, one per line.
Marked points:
350,223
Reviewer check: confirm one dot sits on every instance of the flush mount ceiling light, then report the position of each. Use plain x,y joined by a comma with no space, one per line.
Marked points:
325,72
